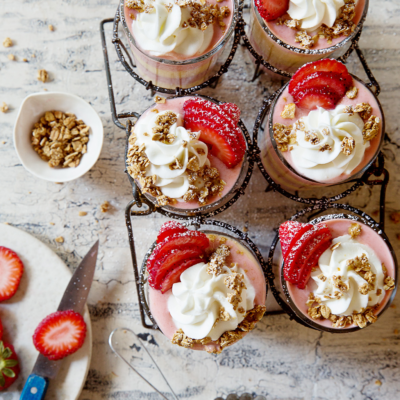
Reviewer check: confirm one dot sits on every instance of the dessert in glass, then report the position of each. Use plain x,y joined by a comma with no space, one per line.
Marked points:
325,127
177,43
206,289
288,34
336,273
187,154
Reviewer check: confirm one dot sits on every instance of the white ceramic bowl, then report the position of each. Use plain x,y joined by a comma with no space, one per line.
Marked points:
32,108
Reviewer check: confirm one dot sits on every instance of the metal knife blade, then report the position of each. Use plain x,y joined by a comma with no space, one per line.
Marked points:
74,298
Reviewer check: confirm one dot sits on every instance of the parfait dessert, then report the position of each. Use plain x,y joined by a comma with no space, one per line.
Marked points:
288,34
187,153
177,43
207,290
325,127
337,274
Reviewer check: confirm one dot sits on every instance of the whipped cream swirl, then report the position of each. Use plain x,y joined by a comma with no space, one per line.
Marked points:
313,13
160,31
334,263
196,301
320,157
172,182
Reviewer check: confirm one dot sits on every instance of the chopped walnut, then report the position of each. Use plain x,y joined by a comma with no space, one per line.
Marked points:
7,42
181,339
4,107
352,93
348,145
42,75
354,230
284,136
289,111
389,283
304,39
371,128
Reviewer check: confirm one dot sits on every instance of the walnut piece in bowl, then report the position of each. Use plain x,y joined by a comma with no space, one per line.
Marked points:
61,106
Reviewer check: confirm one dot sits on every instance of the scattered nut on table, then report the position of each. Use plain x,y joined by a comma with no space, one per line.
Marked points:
7,42
43,75
4,107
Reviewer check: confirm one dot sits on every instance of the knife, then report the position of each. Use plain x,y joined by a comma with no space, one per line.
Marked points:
74,298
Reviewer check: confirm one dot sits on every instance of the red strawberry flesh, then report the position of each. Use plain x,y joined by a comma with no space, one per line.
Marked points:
290,232
232,110
272,9
1,330
318,96
170,228
174,275
11,270
9,365
60,334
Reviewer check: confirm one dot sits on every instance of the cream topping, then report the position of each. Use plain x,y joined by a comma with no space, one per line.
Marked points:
313,13
196,301
334,264
172,182
318,152
160,31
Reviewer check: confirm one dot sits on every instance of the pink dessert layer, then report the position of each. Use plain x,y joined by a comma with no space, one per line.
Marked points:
288,35
158,301
229,175
369,237
282,174
217,37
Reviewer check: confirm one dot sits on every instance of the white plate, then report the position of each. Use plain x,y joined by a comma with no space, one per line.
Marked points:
42,286
32,108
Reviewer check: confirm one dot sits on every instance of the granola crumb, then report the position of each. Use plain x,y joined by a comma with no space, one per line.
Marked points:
289,111
335,246
59,239
11,57
352,93
4,107
363,109
348,145
284,136
7,42
371,128
52,223
33,55
51,28
378,382
181,339
354,230
82,213
25,60
105,206
160,100
389,283
42,75
304,39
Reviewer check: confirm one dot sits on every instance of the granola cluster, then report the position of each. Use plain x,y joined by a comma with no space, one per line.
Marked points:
289,111
348,145
60,139
218,260
354,230
284,136
161,130
371,128
304,39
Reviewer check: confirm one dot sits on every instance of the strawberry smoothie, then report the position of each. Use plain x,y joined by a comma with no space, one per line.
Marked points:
177,45
285,168
276,42
370,243
247,264
184,185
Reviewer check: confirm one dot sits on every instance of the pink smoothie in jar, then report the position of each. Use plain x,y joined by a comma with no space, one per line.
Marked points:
277,45
240,254
339,227
279,164
233,177
171,70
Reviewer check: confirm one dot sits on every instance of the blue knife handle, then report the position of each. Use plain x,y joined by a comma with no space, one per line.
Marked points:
35,388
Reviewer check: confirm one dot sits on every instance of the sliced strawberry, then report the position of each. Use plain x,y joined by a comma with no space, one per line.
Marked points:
325,65
315,97
305,273
272,9
290,232
1,330
168,262
300,252
11,270
174,275
9,365
60,334
232,110
189,239
331,80
217,129
170,228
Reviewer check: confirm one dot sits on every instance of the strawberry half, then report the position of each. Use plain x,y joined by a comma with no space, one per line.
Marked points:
218,129
325,65
170,228
290,232
272,9
232,110
11,270
189,239
168,262
9,365
301,251
60,334
319,96
174,275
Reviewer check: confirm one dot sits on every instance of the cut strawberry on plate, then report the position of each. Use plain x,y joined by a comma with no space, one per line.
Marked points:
290,232
217,129
272,9
60,334
168,262
11,270
9,365
325,65
300,252
189,239
174,275
170,228
319,96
